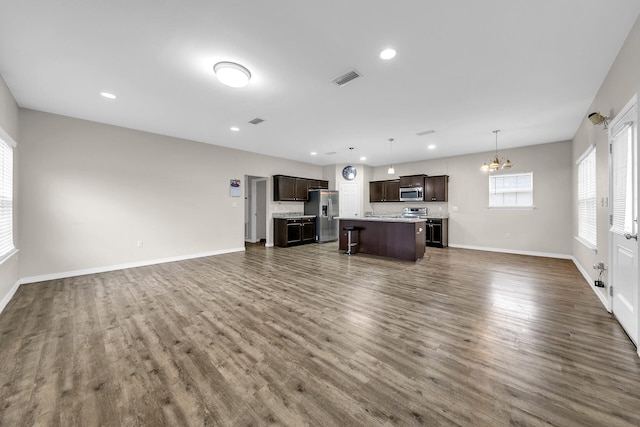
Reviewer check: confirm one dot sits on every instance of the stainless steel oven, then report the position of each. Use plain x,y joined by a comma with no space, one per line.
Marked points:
413,194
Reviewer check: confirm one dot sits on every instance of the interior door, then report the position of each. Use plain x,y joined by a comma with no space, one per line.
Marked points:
623,234
349,197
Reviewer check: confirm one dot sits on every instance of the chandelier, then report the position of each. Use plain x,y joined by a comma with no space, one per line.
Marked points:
496,163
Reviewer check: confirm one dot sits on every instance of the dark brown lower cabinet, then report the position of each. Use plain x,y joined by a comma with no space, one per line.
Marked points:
437,232
294,231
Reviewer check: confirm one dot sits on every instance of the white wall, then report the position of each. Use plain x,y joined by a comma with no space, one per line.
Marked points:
621,83
545,230
90,192
9,123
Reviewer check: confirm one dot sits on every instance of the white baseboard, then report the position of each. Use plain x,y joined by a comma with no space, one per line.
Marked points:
65,274
512,251
598,291
9,295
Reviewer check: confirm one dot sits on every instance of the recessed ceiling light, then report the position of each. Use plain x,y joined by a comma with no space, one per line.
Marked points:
234,128
108,95
363,158
388,54
232,74
431,147
313,153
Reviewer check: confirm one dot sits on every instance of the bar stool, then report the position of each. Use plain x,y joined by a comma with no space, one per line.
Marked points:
349,229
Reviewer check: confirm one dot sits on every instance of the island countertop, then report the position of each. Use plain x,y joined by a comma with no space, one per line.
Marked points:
384,219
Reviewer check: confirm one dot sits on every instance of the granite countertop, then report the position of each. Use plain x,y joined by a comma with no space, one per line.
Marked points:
292,216
383,219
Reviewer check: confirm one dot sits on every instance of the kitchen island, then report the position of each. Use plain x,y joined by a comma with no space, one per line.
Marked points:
402,238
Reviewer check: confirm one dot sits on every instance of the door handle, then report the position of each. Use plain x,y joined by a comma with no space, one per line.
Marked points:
629,236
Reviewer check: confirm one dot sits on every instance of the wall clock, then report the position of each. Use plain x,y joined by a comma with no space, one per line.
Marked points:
349,172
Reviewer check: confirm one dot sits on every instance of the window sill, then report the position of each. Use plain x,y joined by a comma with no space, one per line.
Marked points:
511,208
587,244
8,255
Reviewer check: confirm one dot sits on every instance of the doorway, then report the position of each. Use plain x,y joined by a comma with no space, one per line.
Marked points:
623,214
255,209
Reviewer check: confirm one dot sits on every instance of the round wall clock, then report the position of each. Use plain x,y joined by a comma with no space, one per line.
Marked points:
349,173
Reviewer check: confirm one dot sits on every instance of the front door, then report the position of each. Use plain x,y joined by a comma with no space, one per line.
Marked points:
623,234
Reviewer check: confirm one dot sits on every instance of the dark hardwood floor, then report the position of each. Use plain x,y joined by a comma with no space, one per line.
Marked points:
307,336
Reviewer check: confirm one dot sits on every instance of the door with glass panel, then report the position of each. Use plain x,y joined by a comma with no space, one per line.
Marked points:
623,233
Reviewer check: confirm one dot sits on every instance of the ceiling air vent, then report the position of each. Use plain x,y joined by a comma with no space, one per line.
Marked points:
256,121
345,78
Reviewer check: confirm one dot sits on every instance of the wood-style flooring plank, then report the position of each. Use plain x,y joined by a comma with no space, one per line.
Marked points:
306,336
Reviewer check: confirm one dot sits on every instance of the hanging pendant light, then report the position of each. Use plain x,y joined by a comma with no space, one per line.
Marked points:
496,163
391,170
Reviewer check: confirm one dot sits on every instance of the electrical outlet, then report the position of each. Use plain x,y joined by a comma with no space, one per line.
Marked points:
139,243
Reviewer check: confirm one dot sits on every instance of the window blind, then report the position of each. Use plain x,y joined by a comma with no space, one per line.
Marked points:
6,197
622,177
511,191
587,230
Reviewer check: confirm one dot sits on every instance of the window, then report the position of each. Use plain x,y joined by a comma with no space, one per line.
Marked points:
6,195
623,200
587,198
513,191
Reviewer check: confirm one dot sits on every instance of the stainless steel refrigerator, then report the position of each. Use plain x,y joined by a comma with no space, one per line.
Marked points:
324,205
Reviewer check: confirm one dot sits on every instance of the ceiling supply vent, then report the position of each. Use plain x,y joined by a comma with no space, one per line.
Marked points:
256,121
345,78
426,132
330,153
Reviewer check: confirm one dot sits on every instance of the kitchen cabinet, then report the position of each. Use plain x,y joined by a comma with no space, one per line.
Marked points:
412,181
436,188
315,184
294,189
384,191
437,232
294,231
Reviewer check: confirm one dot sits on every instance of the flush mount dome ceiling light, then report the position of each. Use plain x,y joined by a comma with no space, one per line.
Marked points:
388,54
232,74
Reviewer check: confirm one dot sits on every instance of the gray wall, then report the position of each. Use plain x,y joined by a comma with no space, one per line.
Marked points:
9,122
621,83
545,230
91,191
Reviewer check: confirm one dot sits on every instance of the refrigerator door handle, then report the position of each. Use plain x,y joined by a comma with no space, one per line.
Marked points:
330,210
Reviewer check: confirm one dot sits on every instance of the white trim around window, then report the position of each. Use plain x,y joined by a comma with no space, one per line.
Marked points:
511,191
587,200
7,144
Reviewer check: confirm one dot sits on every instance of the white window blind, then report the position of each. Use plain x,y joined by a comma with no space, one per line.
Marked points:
587,230
622,176
6,197
511,191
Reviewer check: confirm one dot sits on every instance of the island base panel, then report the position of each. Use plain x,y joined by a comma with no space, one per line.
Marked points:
390,239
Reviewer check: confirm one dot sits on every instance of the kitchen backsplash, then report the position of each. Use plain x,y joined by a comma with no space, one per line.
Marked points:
435,210
286,214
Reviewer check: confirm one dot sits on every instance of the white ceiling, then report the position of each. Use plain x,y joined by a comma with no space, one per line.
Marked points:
463,68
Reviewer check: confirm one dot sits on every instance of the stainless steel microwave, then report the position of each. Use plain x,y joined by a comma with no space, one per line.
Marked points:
413,194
